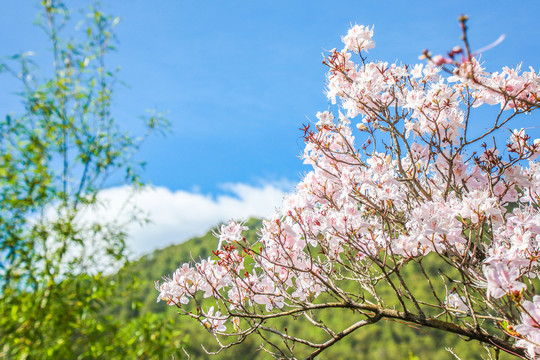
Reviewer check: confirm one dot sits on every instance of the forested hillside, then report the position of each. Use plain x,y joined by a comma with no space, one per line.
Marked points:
384,340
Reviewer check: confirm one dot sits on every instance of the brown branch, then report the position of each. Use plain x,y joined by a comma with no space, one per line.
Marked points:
380,312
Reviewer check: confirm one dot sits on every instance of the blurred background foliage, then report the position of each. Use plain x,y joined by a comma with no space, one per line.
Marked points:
55,157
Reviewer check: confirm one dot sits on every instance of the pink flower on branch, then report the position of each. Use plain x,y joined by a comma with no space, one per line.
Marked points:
399,183
502,279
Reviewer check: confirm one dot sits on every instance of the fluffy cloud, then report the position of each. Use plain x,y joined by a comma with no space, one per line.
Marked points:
175,216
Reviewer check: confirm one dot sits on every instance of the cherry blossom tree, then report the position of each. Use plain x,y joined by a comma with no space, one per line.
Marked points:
403,174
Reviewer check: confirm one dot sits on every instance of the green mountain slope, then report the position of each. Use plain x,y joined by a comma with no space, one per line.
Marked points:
385,340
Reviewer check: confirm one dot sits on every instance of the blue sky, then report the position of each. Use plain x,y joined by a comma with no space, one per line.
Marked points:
239,78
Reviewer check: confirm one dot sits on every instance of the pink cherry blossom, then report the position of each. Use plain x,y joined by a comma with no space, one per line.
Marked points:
397,176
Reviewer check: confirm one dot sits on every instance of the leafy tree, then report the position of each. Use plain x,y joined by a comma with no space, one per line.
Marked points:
55,158
423,223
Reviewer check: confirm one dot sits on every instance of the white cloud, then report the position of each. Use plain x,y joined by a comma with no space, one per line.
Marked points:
176,216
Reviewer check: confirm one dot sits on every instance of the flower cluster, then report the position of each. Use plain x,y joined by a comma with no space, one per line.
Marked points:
421,181
528,330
